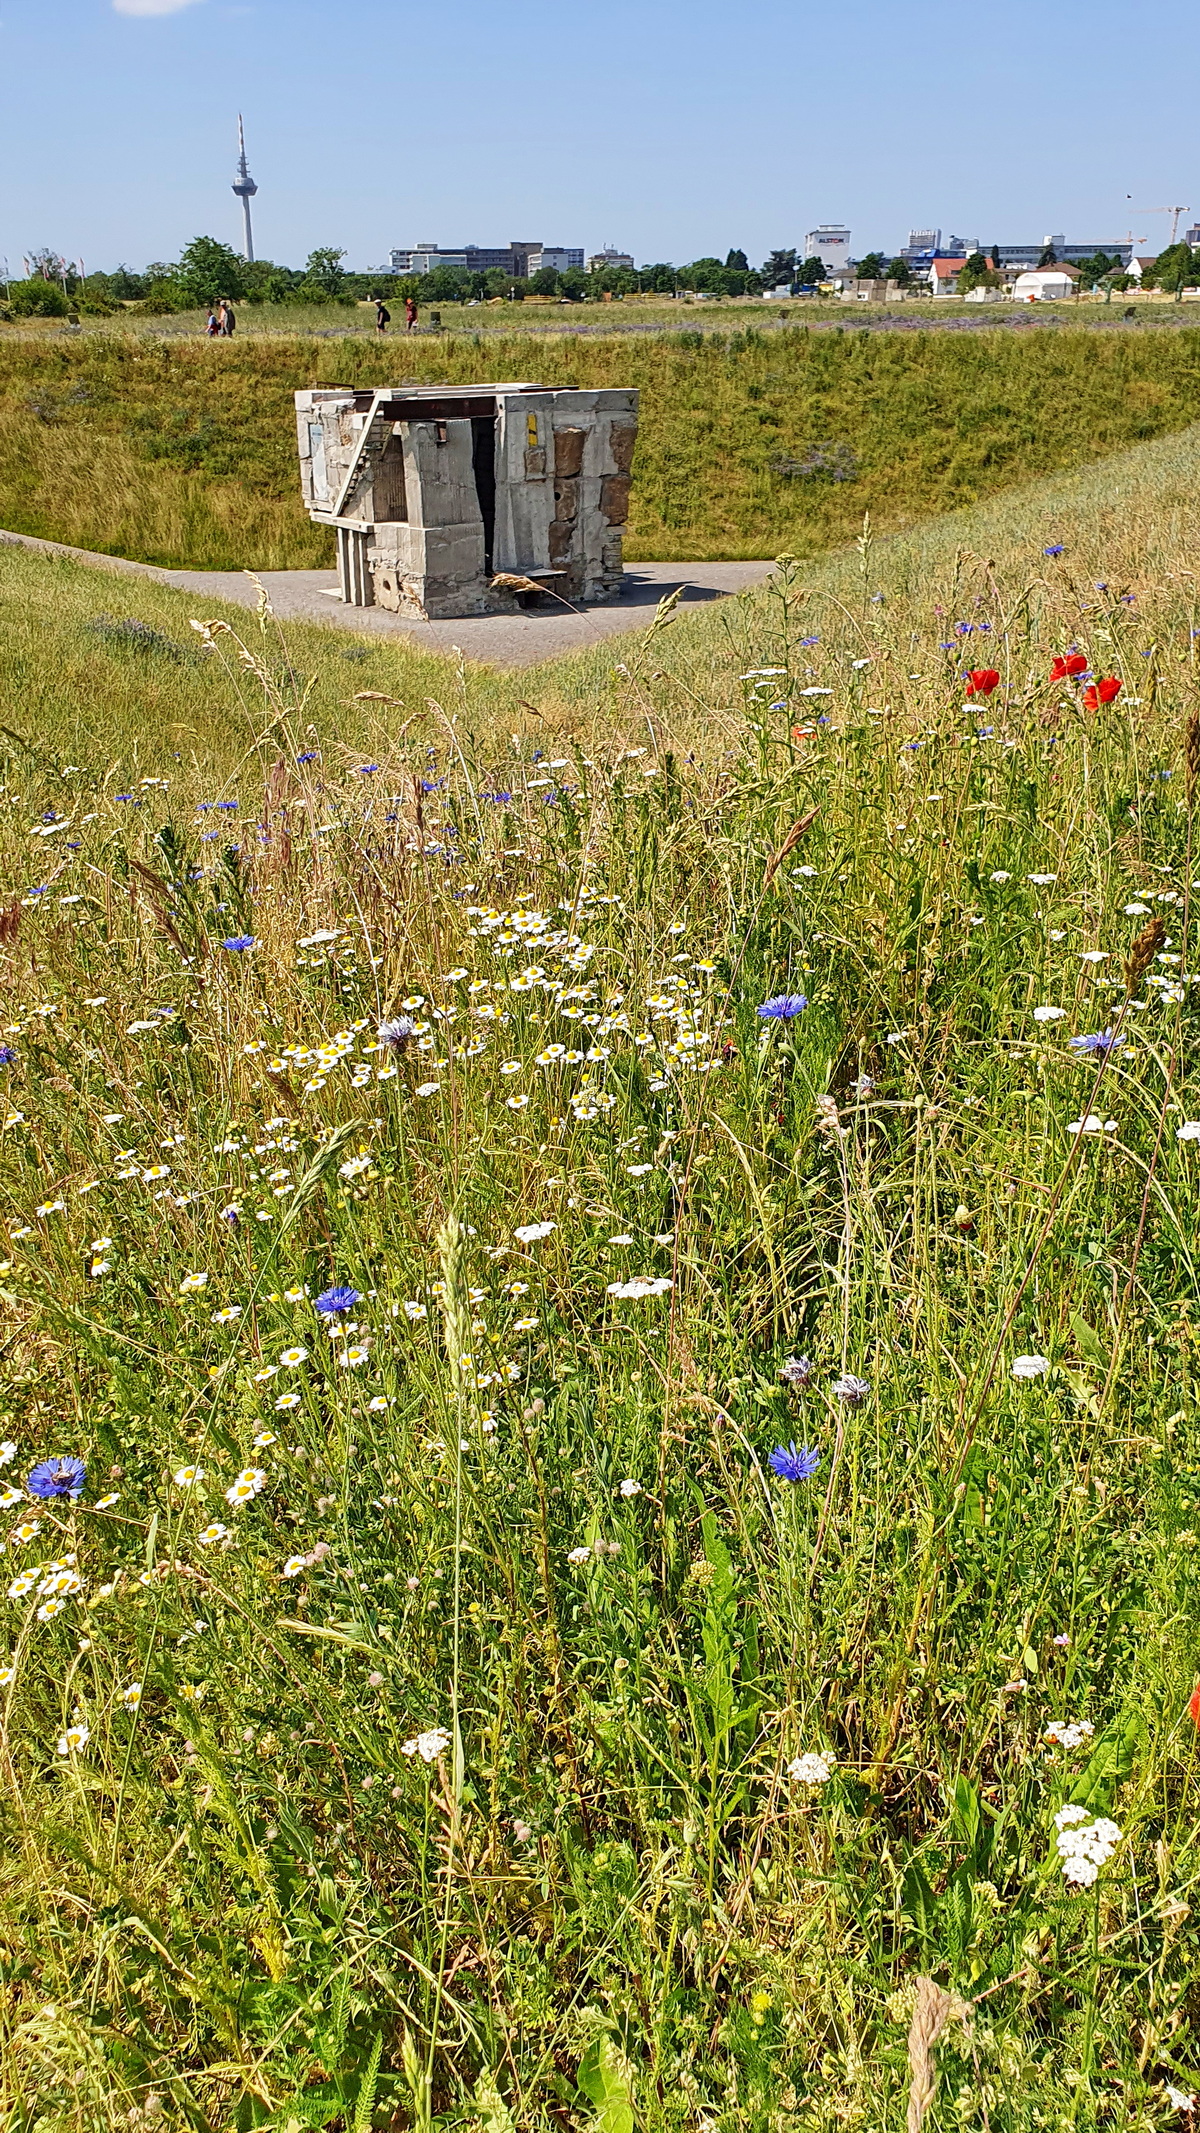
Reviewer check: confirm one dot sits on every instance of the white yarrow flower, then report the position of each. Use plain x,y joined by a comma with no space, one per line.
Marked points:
811,1769
1030,1366
427,1745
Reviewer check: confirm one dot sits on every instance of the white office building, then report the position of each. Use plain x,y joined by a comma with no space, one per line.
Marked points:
609,257
830,243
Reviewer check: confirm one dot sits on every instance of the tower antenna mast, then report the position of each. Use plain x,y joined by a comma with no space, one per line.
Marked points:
245,188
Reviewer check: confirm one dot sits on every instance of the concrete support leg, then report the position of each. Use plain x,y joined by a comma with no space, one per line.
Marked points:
354,577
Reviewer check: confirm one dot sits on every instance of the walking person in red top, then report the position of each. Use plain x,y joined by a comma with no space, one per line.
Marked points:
410,313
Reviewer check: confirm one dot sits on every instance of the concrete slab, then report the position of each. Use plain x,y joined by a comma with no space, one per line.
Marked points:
544,632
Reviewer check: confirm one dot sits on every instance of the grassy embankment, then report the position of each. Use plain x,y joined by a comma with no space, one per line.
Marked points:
184,452
521,1502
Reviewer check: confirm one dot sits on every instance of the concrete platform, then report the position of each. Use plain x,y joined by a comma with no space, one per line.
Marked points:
545,632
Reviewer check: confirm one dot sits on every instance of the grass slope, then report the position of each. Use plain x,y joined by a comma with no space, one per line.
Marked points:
457,1720
182,452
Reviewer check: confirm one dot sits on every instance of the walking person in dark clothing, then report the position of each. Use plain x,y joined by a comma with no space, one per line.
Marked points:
382,316
229,317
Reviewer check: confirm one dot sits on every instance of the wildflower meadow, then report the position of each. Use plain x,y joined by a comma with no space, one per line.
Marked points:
598,1309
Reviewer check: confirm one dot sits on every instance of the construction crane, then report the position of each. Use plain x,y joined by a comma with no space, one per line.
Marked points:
1173,212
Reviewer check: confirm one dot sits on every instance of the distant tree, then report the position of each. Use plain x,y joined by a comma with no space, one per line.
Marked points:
1175,270
124,287
811,272
1096,269
206,271
738,262
544,282
324,268
872,268
778,268
900,271
48,265
660,278
977,272
1049,257
37,298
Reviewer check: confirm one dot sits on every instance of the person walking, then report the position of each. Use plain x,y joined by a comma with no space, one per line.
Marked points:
221,318
211,327
383,316
230,320
410,313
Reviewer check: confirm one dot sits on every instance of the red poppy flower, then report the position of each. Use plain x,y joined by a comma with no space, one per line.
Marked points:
1102,692
1194,1706
1066,669
982,680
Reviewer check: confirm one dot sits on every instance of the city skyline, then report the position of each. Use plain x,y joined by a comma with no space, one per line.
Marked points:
696,149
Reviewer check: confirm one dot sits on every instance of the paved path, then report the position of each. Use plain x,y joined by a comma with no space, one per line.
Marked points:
499,640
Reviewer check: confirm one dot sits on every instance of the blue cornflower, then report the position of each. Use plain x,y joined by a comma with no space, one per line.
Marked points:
793,1465
807,641
782,1007
337,1299
63,1476
227,805
309,756
502,799
7,1055
1103,1040
203,807
365,769
1055,548
240,940
124,796
947,648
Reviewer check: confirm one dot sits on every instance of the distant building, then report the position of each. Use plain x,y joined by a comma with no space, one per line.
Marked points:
423,258
609,258
1047,282
830,243
921,247
965,245
520,258
1192,236
560,258
1027,255
944,272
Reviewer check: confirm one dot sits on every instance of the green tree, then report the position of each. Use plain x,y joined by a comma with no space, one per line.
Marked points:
1049,257
872,268
206,271
37,298
811,272
900,272
778,268
1175,270
977,272
544,282
324,270
738,262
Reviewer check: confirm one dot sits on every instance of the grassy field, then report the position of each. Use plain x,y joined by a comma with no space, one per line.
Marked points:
182,452
443,1701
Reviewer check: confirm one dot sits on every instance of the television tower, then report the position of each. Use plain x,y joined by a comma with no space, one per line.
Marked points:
245,188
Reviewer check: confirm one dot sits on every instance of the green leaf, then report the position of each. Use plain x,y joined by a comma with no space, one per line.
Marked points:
604,2077
491,2112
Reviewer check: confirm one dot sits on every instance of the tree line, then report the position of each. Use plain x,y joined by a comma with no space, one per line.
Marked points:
208,271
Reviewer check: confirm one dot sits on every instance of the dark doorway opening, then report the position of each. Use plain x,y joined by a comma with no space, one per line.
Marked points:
483,462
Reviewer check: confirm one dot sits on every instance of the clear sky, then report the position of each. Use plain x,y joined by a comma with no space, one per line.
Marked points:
671,128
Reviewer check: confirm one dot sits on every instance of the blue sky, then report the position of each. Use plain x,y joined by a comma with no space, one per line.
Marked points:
671,128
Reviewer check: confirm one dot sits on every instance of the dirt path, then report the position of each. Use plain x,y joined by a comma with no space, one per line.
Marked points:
499,640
